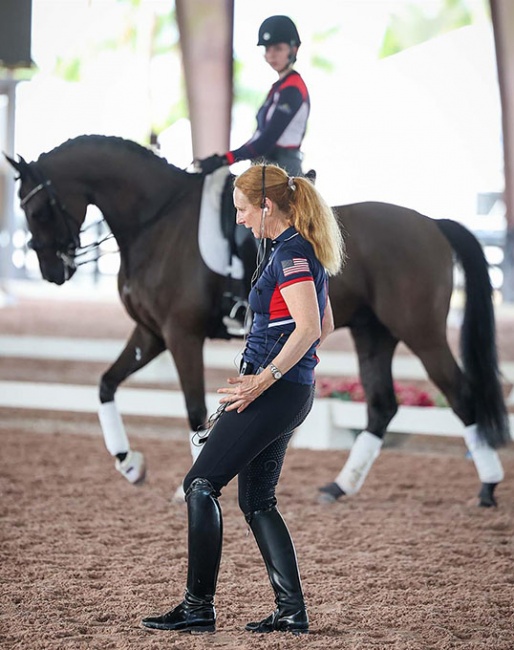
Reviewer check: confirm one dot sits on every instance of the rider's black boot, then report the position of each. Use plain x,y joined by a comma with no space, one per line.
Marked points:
247,248
276,547
196,612
239,320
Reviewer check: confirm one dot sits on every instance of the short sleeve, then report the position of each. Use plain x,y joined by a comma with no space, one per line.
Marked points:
292,267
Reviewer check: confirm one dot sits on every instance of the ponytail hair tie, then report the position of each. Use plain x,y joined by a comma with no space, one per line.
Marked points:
290,183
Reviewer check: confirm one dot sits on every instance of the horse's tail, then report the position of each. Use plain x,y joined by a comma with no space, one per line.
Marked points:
478,336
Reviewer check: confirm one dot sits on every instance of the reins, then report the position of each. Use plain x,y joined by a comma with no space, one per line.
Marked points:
94,246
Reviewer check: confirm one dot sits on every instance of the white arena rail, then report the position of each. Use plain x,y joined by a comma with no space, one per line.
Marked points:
330,424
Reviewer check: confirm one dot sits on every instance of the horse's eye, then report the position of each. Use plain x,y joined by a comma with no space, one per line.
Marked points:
42,216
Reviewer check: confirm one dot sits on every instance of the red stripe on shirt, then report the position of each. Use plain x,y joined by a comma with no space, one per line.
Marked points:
288,282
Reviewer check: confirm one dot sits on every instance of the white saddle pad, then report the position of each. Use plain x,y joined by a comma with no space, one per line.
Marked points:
214,248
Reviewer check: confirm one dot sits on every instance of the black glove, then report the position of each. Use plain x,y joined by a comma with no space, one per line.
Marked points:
210,164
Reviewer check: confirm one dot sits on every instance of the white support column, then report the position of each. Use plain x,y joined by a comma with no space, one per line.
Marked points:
7,224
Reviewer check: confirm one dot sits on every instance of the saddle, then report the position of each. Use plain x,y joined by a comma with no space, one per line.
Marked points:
243,249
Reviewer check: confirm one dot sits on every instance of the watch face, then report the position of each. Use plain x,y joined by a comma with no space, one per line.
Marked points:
276,372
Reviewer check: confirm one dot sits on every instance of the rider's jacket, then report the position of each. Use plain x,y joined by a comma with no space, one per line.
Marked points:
281,120
292,260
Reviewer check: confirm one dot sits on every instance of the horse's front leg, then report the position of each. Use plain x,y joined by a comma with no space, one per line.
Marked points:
141,348
375,347
187,352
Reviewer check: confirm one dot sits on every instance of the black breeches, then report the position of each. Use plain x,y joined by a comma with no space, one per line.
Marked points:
252,444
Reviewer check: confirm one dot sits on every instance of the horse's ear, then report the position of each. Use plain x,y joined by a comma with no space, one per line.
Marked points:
21,166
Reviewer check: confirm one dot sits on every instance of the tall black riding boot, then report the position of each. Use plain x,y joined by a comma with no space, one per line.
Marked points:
276,547
196,612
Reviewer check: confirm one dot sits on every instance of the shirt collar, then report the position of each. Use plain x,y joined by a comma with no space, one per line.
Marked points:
289,233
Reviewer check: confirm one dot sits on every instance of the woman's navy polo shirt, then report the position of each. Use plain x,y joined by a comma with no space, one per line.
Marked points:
292,260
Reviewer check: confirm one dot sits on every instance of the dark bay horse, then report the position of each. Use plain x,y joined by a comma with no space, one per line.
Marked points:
396,286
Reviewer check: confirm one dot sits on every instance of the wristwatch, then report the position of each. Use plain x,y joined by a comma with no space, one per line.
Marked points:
277,374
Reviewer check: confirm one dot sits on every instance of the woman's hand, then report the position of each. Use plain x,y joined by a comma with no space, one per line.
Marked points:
244,390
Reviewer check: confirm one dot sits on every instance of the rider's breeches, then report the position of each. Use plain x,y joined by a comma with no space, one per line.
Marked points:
252,444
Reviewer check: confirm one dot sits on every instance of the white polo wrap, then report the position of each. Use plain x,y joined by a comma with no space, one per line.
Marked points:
486,459
115,437
363,454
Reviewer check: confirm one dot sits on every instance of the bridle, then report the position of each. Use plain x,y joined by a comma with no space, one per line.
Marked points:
68,247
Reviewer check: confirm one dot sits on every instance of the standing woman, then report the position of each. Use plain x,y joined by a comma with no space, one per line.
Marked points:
270,398
282,118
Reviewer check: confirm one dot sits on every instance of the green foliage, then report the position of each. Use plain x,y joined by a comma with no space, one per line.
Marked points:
322,63
176,111
141,34
320,38
319,41
413,24
244,94
19,74
165,37
68,69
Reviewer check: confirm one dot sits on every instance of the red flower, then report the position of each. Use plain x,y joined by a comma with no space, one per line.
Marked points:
352,390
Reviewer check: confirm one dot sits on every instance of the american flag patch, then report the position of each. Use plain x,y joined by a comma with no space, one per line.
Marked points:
296,265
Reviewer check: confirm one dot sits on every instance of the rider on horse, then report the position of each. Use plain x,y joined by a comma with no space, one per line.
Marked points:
281,126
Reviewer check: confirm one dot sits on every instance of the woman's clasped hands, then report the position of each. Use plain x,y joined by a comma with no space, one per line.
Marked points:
243,390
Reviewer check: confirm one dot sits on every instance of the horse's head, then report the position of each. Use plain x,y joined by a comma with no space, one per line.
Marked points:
55,232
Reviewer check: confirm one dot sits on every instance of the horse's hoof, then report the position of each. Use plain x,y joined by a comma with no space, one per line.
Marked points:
132,467
486,498
330,493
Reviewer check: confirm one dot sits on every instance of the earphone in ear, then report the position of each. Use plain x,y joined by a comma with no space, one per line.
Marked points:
265,209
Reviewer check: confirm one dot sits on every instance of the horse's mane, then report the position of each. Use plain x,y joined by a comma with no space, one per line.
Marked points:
114,142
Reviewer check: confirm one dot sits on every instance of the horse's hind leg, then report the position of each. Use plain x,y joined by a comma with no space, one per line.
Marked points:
443,370
141,348
375,347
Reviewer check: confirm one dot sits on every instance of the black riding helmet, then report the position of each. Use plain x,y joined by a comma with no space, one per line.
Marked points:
278,29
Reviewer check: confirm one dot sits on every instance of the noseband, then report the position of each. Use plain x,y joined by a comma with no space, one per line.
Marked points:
64,247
